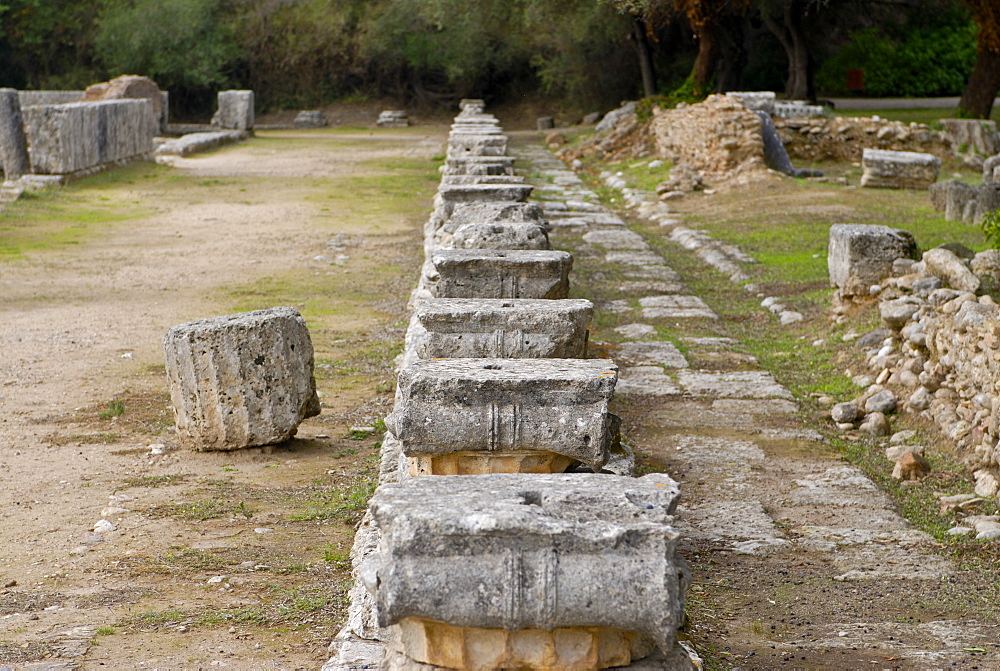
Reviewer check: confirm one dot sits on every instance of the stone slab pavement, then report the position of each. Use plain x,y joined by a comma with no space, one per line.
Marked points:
799,560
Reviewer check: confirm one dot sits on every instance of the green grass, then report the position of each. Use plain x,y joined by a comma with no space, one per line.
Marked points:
924,115
344,504
154,480
642,176
115,408
200,509
74,214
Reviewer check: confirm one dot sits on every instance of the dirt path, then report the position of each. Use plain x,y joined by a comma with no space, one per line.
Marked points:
232,560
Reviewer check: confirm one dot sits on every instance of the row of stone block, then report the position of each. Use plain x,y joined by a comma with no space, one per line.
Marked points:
478,553
964,202
63,133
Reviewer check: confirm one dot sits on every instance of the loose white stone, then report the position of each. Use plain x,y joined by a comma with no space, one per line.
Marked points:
103,526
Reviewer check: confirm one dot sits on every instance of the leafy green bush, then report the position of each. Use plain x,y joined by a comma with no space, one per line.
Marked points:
991,228
181,44
923,62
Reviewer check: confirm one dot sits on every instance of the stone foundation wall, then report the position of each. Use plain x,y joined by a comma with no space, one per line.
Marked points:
65,139
844,138
940,352
718,137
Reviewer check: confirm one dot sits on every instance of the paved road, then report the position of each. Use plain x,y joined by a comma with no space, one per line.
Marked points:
896,103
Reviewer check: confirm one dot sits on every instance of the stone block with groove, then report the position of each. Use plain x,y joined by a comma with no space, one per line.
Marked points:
467,328
462,273
516,563
506,406
241,380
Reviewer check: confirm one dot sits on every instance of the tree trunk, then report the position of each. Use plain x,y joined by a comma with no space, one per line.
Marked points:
799,74
736,43
981,89
707,59
791,35
645,60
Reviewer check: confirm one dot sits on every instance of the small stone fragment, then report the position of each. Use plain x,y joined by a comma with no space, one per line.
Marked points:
911,466
875,424
883,402
843,413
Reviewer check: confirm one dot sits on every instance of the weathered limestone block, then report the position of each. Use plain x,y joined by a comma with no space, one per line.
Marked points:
310,119
506,406
192,143
987,200
482,126
860,255
938,192
241,380
957,195
441,225
755,100
990,168
235,110
797,109
392,119
42,97
13,144
447,646
471,106
127,87
470,121
898,169
469,180
64,139
472,569
466,328
507,191
948,266
449,195
500,235
967,135
461,273
479,165
480,144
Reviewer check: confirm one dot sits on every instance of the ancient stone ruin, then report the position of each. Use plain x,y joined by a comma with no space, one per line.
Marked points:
242,380
742,137
235,110
937,354
506,495
310,119
898,169
967,203
392,119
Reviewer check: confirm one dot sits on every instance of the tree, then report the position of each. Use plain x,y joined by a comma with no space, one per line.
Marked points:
705,18
984,81
791,34
47,43
183,45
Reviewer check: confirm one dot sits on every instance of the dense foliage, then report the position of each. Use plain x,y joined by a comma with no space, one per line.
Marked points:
297,53
922,61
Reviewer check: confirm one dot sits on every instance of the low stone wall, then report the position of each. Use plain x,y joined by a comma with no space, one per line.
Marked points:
844,138
517,422
720,138
938,355
70,138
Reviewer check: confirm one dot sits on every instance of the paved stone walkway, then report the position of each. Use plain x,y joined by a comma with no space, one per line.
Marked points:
799,560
